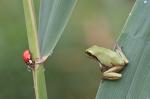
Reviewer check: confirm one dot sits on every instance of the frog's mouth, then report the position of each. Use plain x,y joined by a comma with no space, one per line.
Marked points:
91,56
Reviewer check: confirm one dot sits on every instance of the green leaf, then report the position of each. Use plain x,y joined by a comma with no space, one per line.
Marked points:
134,39
38,71
54,15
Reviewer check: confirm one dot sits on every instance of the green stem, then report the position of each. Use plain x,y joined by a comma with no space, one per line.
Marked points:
38,72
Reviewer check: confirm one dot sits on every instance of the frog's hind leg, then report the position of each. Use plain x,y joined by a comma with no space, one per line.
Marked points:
119,51
112,74
114,69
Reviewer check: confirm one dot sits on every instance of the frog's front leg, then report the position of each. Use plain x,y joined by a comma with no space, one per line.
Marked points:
119,51
111,74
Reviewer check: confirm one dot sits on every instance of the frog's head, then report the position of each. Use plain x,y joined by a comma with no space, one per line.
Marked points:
91,53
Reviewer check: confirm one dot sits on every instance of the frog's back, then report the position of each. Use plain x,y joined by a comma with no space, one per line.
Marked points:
106,56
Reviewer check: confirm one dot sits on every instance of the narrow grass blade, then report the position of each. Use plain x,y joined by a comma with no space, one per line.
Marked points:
54,15
134,39
38,72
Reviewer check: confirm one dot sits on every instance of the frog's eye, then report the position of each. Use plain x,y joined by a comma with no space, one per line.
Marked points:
91,55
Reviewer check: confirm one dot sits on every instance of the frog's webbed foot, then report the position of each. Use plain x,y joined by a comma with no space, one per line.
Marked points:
119,51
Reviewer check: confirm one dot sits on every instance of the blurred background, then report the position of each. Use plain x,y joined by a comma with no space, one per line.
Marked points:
70,74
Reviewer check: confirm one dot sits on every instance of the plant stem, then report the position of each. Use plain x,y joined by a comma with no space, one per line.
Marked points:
38,72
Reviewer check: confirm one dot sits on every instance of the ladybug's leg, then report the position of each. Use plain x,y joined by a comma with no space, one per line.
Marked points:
31,62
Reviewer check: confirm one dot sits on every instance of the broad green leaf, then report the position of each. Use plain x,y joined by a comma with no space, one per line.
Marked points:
134,39
53,18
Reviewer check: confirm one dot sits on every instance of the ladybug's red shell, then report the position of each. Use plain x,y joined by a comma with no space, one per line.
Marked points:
26,56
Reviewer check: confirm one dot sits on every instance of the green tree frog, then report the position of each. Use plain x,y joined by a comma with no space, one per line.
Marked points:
111,62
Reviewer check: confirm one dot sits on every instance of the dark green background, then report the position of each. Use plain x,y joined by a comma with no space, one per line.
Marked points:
69,73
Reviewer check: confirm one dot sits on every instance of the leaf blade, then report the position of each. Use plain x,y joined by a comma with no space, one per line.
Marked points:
45,9
58,18
135,41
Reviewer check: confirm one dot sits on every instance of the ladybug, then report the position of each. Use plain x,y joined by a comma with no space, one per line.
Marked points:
27,57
